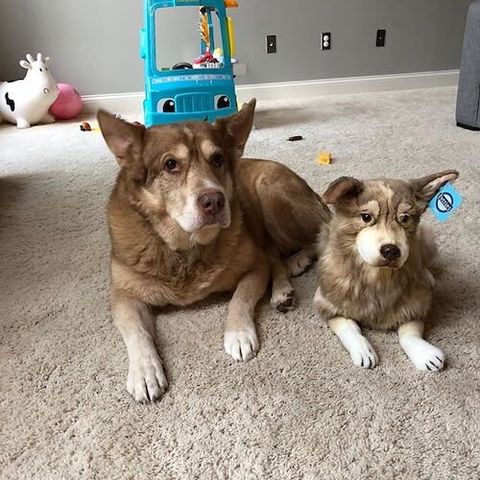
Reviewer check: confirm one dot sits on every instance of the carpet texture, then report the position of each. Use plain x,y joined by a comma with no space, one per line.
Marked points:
300,409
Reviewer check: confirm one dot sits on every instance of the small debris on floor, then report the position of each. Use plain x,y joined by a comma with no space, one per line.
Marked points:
324,158
295,138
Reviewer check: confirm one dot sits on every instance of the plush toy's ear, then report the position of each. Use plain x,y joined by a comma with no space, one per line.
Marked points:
25,64
238,126
47,60
343,187
125,140
426,187
30,58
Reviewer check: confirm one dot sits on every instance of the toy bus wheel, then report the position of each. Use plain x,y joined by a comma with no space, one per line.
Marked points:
182,66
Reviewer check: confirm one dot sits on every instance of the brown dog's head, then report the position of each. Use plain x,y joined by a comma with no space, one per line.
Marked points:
378,219
182,171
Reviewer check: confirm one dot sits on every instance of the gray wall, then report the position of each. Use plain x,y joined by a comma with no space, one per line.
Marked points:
95,43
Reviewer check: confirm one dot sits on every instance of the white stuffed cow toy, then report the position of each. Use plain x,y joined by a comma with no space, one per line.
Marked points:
26,102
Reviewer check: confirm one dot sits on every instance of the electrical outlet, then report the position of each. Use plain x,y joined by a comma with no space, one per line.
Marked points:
271,43
380,41
326,41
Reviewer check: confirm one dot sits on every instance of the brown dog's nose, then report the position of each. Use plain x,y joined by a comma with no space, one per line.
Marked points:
390,252
211,202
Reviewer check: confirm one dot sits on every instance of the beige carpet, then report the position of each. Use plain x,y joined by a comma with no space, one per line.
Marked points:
298,410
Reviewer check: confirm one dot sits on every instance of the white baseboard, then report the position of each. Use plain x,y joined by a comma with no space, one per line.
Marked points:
132,102
338,86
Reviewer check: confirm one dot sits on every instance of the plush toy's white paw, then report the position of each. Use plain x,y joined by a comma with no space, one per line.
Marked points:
362,353
423,355
146,381
241,345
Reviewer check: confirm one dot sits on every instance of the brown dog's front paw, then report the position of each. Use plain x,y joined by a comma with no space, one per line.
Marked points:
146,381
241,345
283,301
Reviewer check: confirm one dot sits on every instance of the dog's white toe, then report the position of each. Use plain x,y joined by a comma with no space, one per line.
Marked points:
362,353
241,345
283,300
146,381
423,355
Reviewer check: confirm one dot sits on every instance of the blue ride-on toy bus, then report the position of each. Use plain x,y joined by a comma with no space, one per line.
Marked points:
201,90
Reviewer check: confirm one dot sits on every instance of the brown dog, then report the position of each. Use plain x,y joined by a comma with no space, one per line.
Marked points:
189,217
374,265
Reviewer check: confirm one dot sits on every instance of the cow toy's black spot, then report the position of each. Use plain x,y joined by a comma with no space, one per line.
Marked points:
10,102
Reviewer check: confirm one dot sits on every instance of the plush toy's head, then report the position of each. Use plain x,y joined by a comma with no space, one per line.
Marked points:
376,220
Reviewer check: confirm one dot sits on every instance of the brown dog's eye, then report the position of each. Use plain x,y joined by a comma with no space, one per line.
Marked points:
218,160
403,219
366,217
171,165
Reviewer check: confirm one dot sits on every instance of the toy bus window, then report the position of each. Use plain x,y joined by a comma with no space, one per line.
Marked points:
188,37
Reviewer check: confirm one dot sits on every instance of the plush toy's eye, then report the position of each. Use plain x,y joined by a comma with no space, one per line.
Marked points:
171,165
367,218
41,70
167,105
403,218
222,101
217,160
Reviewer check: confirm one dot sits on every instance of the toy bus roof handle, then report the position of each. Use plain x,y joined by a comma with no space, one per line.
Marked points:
206,92
192,3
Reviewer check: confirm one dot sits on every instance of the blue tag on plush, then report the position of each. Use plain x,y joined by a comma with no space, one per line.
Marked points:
445,202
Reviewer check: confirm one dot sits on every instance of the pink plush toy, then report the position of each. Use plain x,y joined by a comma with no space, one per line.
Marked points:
68,103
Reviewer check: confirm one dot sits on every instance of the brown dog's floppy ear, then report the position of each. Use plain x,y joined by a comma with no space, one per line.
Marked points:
238,126
426,187
125,141
340,188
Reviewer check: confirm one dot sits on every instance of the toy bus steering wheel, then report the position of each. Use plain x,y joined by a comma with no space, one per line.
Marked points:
182,66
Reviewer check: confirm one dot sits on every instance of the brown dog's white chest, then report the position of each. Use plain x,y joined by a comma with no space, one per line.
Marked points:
187,277
182,287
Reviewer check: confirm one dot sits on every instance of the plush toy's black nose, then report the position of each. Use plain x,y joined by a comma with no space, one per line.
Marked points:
211,202
390,252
